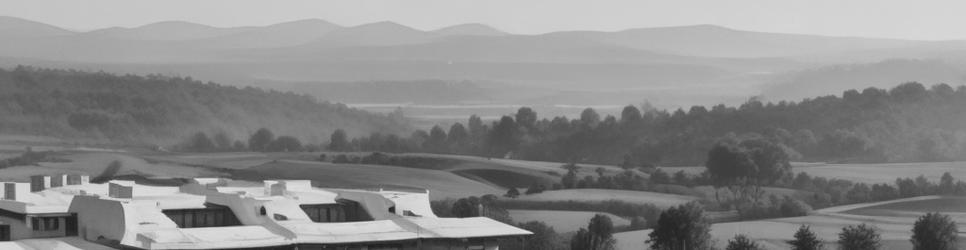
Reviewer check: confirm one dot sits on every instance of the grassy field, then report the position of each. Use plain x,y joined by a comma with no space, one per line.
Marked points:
895,225
548,168
240,160
562,221
596,195
955,206
866,173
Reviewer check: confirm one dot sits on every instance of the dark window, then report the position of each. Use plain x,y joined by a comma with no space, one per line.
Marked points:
4,232
51,224
212,216
324,212
45,223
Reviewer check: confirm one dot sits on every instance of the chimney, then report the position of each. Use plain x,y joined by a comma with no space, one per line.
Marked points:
13,190
39,183
4,193
123,190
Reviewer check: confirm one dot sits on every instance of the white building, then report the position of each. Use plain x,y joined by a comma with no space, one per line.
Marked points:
214,213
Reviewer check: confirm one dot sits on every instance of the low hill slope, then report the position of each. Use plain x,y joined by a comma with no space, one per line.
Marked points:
599,195
160,109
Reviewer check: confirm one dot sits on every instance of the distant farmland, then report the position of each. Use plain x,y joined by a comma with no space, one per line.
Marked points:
866,173
599,195
563,221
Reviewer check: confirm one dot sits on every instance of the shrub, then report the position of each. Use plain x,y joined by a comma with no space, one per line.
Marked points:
512,193
859,237
742,242
805,239
340,159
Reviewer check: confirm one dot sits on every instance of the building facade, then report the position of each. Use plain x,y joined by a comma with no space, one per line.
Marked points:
212,213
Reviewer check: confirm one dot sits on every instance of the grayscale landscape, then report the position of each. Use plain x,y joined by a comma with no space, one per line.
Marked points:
468,125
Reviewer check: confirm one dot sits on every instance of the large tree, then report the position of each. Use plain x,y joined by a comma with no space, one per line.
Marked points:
599,235
339,141
681,228
934,231
260,140
436,142
746,166
504,138
526,117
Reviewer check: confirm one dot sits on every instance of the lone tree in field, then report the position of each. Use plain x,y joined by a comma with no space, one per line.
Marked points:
681,228
805,239
742,242
599,235
934,231
860,237
512,193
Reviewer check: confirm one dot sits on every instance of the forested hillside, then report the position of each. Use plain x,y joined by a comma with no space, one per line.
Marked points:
906,123
164,110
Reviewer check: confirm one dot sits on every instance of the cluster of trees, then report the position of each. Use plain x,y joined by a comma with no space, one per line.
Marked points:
684,228
905,123
829,192
263,140
160,109
627,180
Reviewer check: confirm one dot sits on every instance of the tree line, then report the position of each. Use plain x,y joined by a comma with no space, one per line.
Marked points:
685,228
909,122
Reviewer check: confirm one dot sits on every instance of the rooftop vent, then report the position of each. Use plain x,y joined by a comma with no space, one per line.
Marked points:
39,183
120,190
76,179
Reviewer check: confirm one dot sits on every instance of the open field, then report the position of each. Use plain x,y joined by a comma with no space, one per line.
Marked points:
598,195
954,206
562,221
441,184
826,223
537,166
239,160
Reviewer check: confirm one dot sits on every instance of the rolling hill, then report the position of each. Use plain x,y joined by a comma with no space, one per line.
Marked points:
161,109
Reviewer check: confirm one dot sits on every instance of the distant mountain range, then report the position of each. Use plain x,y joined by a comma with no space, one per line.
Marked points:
627,61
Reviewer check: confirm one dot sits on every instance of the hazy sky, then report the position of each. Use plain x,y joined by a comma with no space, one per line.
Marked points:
935,19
